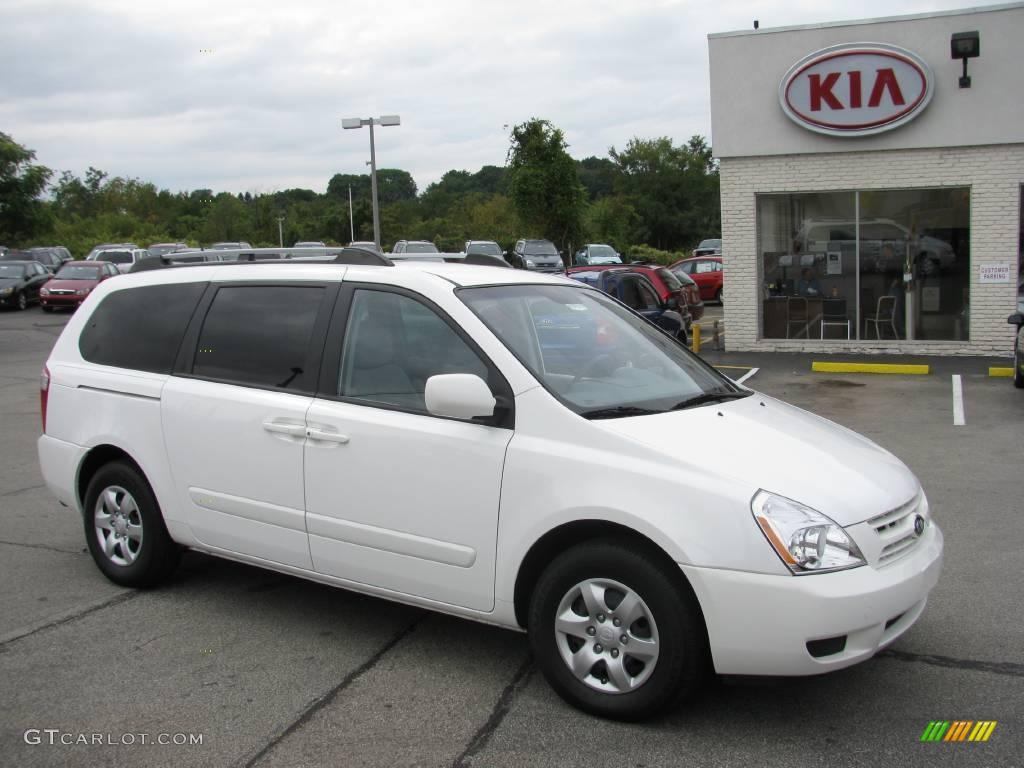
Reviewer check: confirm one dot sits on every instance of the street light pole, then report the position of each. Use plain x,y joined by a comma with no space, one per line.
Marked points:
359,122
351,226
280,232
373,190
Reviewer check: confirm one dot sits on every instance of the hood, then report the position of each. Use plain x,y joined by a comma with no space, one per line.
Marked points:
782,449
73,285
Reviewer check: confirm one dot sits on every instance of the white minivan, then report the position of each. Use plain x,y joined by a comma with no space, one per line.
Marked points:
495,444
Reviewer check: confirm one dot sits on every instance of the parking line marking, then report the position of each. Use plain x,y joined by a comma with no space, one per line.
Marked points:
819,367
734,367
958,401
747,375
1000,371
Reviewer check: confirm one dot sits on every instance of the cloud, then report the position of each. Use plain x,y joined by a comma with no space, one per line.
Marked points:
249,96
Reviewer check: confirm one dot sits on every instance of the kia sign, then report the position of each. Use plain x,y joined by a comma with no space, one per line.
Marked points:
856,89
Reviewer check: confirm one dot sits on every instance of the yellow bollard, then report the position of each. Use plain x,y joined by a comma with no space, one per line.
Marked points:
695,337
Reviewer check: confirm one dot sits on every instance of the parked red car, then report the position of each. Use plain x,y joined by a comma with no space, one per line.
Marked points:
665,282
73,282
706,271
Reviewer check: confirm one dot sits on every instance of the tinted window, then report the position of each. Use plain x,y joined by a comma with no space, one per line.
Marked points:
393,344
140,328
259,335
116,257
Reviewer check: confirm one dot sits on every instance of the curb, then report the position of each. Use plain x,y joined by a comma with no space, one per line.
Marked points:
917,370
1007,372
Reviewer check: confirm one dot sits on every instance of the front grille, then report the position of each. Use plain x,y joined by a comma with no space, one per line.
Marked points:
60,292
895,529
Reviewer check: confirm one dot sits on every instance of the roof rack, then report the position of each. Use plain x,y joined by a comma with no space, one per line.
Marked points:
215,258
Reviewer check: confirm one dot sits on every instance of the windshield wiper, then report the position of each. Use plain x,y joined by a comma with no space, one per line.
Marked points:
619,411
709,397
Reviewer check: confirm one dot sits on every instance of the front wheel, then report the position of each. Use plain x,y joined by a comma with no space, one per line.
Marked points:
719,297
125,529
22,301
47,309
615,633
1018,364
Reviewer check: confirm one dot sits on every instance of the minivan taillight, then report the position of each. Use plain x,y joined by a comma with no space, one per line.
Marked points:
44,394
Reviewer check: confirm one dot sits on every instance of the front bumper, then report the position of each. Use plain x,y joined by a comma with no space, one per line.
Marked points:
760,624
61,300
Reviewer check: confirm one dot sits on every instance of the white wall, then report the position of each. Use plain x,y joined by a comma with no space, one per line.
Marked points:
994,174
747,67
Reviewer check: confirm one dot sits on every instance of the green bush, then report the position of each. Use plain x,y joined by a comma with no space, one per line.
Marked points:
647,253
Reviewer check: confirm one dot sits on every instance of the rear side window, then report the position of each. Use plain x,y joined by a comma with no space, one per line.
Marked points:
259,335
140,328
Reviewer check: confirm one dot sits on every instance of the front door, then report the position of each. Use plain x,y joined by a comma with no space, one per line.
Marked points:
397,498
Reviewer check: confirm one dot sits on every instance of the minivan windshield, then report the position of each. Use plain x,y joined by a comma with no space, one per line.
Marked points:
597,357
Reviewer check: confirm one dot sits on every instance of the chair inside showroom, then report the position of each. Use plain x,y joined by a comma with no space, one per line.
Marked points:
796,315
885,315
833,313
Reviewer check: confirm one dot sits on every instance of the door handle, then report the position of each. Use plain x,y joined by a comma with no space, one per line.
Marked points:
284,428
328,437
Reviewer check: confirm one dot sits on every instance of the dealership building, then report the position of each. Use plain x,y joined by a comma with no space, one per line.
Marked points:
871,177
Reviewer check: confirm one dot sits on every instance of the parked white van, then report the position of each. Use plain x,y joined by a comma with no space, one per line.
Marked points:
500,445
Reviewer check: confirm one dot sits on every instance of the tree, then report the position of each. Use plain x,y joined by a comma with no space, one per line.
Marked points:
544,184
22,213
673,189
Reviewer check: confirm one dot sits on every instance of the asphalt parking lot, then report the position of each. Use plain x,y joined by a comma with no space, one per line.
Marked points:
270,670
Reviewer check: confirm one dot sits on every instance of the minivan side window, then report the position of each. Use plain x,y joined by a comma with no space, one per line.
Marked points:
259,335
393,344
140,328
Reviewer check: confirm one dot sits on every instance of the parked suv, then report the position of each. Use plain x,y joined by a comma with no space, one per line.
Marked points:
261,414
538,255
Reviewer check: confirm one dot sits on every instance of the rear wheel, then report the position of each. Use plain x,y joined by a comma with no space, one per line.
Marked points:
614,633
125,530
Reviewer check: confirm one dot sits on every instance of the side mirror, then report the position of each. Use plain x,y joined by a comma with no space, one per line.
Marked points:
458,396
1016,319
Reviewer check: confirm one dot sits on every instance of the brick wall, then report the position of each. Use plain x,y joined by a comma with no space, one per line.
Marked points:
994,174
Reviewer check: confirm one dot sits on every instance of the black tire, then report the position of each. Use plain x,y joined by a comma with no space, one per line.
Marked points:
47,309
22,301
156,558
682,659
1018,363
718,297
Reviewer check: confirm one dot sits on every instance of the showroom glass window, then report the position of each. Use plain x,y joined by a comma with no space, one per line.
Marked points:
896,263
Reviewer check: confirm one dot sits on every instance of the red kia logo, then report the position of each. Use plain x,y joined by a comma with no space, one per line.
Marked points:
856,89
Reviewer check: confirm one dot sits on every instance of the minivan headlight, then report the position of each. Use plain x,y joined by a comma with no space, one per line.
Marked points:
806,540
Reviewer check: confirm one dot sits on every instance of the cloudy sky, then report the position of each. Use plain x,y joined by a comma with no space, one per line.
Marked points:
249,96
